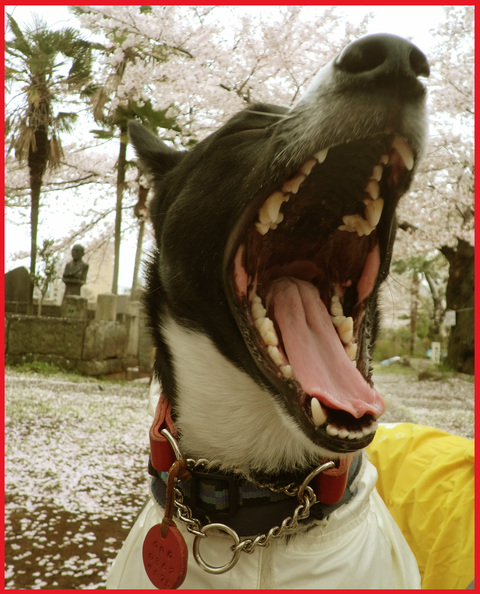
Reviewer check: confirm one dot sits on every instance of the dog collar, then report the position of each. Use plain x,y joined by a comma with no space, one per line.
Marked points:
243,505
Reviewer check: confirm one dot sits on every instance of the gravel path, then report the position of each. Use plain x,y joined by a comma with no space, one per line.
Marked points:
76,455
447,404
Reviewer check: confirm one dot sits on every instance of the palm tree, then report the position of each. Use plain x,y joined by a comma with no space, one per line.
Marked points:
43,68
114,122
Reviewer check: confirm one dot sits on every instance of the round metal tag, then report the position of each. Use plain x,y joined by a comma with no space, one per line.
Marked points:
165,559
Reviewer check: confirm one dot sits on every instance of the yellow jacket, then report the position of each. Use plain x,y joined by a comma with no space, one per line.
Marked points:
426,478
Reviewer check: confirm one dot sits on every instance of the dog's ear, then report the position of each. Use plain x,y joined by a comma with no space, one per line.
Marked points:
156,157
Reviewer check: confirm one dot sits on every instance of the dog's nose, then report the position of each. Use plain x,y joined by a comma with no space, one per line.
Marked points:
382,57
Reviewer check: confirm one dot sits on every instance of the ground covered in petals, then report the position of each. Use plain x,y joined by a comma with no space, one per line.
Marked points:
76,459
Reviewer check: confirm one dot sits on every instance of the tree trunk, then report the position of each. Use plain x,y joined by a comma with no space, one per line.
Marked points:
140,211
122,161
37,164
435,331
414,310
138,257
460,298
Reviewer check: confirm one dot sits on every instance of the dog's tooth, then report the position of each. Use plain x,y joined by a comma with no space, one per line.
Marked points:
321,155
352,435
267,331
291,186
377,172
351,350
307,167
279,218
373,211
343,433
369,428
258,311
287,371
355,223
345,330
275,355
404,150
318,414
270,338
262,228
373,189
337,320
332,430
271,207
384,159
336,308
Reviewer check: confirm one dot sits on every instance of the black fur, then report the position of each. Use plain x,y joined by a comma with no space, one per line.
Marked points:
206,198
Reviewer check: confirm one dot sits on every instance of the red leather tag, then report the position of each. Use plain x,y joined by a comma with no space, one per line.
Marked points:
330,485
165,559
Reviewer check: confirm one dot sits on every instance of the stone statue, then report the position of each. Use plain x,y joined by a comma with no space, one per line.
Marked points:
75,273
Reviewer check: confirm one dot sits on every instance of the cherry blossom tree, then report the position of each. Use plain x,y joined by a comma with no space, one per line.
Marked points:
198,65
438,213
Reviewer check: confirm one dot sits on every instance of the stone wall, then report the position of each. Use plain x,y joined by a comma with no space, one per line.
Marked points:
105,347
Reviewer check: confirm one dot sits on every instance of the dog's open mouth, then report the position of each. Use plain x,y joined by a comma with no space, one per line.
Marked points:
304,264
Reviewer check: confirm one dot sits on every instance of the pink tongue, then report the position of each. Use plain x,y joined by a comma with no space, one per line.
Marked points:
315,352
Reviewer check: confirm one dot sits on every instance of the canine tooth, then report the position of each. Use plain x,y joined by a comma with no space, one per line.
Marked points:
268,213
351,350
332,430
345,330
373,211
262,228
279,219
318,414
291,186
404,151
343,433
321,155
258,311
377,172
384,159
307,167
373,189
287,371
275,355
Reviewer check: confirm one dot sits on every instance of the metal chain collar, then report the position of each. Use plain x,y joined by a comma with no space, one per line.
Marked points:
305,494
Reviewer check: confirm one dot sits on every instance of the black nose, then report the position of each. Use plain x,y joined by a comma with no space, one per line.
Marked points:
383,58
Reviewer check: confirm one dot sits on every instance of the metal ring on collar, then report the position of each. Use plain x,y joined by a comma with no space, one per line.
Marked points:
196,549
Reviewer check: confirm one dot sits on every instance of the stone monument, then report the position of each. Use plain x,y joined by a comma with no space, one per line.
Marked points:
75,273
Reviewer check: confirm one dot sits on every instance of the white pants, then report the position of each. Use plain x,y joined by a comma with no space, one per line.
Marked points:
358,546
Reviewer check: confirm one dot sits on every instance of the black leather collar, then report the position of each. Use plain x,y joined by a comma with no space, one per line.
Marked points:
240,504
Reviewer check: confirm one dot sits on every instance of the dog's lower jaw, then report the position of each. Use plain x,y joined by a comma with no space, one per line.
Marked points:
247,434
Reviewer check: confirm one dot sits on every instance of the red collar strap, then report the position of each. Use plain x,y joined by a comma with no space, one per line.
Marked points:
329,485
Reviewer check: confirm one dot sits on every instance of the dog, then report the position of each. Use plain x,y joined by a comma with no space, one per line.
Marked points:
273,237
